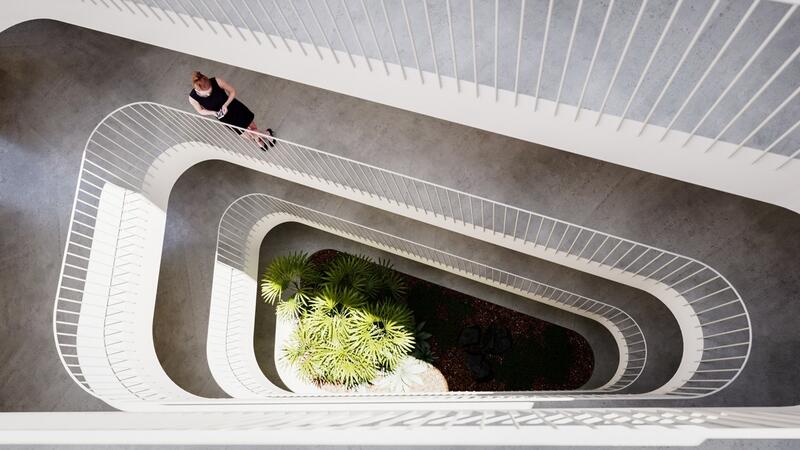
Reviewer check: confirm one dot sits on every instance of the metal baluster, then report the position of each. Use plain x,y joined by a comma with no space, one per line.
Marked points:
755,97
541,57
413,43
742,70
474,52
244,22
339,33
199,14
764,122
291,30
569,53
496,44
453,47
621,60
153,11
355,33
394,41
602,34
649,62
775,142
225,14
167,11
711,66
433,44
305,30
678,66
274,25
322,31
789,159
375,37
519,51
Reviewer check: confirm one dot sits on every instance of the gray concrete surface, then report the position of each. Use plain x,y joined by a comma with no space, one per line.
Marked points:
59,81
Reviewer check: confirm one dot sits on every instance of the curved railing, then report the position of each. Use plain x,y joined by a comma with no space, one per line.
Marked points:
104,305
506,47
234,292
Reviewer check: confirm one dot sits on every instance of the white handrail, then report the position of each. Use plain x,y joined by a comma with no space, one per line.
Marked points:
575,427
137,152
246,221
406,42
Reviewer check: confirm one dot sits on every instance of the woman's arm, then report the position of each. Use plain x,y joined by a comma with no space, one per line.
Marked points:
228,90
200,109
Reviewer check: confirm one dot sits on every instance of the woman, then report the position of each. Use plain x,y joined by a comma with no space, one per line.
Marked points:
215,97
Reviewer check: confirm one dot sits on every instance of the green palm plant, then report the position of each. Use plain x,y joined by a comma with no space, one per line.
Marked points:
291,308
327,360
348,271
384,332
300,350
344,366
391,284
374,281
331,312
350,322
289,280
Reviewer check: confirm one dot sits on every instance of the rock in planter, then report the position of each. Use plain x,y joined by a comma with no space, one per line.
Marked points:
470,340
480,367
496,340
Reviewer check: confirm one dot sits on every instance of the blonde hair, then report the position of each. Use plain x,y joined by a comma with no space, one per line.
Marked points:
199,80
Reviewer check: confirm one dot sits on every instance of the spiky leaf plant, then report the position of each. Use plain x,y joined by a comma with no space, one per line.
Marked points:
391,284
341,365
375,281
384,332
327,360
350,323
348,271
331,312
291,308
289,280
301,351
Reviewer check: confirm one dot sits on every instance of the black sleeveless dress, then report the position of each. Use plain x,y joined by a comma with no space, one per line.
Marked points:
238,114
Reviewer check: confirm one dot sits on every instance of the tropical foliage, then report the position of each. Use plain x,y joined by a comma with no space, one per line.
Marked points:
352,321
423,350
289,280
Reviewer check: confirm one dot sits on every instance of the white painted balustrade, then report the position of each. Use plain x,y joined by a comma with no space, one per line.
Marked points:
499,44
705,92
105,303
546,426
702,93
234,293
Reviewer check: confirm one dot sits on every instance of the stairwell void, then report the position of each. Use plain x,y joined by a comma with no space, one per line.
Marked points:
177,140
759,242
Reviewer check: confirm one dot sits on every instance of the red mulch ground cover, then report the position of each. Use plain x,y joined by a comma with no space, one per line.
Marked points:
542,357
